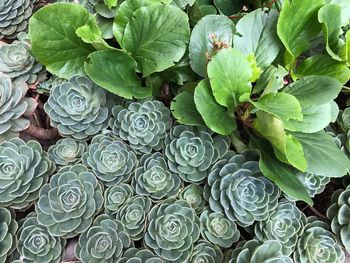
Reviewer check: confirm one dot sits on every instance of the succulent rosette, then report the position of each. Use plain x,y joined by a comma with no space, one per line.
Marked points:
14,17
133,216
24,169
338,214
193,194
192,151
317,245
285,224
44,87
237,188
77,108
14,107
173,228
35,244
8,239
143,125
218,230
110,159
17,62
68,204
115,196
67,151
143,255
154,179
205,252
254,251
105,241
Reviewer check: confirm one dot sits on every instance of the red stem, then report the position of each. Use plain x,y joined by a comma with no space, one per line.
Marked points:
271,3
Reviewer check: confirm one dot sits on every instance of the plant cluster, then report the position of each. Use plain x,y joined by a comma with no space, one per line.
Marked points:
177,131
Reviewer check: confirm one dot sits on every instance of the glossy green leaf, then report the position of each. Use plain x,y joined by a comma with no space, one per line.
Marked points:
345,10
184,109
229,7
283,175
157,36
214,115
230,74
56,45
323,65
330,17
182,4
271,80
297,24
257,35
114,70
322,155
210,31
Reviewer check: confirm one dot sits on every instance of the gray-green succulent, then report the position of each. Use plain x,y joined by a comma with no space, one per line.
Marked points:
105,241
133,216
115,196
205,252
110,159
193,194
218,230
143,125
17,62
8,239
14,17
45,86
14,107
35,244
285,224
68,204
237,188
77,108
154,179
24,169
142,255
317,244
173,228
254,251
67,151
192,151
338,213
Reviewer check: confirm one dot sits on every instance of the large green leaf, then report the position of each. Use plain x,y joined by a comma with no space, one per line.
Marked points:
272,129
271,80
229,7
322,155
184,109
114,70
214,115
345,10
297,24
314,90
282,105
157,36
330,17
323,65
54,41
210,31
257,35
230,74
182,4
283,175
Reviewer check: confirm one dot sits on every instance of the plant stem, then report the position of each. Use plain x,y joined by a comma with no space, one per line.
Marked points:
41,133
270,4
316,212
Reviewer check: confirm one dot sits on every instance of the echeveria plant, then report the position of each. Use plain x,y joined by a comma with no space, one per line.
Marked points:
8,239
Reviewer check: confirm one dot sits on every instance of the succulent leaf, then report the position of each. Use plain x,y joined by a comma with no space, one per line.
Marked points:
8,239
67,151
193,194
115,196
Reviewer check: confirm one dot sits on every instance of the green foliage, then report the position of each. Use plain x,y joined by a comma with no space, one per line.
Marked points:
8,239
25,168
77,108
35,244
285,224
172,230
105,241
115,196
193,194
67,151
154,179
14,107
317,244
15,18
192,151
68,203
233,175
110,159
143,125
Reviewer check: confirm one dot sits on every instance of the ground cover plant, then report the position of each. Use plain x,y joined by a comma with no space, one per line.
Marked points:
187,131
